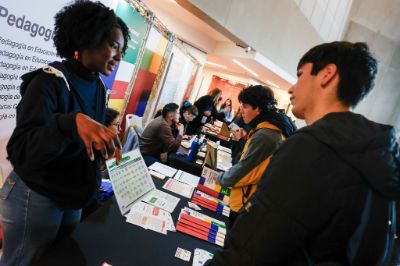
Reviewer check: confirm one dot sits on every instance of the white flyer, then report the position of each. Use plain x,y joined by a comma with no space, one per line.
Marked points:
157,175
183,254
201,256
145,221
210,177
194,206
163,169
187,178
150,210
161,200
179,188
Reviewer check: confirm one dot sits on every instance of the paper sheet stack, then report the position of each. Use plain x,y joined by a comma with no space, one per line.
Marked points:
201,226
213,204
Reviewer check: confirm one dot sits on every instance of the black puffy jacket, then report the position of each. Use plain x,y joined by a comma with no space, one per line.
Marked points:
326,197
45,149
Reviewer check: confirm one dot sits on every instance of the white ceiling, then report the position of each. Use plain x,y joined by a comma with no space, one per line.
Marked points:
219,49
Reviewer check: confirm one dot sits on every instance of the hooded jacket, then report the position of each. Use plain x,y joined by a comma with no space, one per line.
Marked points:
325,197
244,176
45,149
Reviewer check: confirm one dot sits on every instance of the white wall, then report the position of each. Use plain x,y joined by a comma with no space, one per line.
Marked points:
281,96
201,57
276,29
329,18
180,27
380,30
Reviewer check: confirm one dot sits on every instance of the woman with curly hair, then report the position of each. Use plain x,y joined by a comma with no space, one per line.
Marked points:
59,138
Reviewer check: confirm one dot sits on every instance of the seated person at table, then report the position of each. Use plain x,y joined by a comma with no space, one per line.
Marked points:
188,112
206,106
268,129
227,111
327,197
158,138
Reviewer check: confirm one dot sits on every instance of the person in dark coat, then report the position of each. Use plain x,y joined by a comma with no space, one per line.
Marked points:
59,139
206,106
328,194
188,113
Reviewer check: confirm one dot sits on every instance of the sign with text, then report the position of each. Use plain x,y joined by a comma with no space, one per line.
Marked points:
26,44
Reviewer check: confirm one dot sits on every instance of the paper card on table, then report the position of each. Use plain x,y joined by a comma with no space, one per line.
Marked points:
183,254
163,169
161,200
179,188
151,210
147,222
157,175
130,179
201,256
187,178
194,206
224,149
209,177
211,155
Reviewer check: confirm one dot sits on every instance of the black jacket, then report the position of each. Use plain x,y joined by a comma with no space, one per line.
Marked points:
45,149
204,103
311,197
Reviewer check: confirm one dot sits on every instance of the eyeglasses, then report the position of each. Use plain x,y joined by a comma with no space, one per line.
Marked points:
117,124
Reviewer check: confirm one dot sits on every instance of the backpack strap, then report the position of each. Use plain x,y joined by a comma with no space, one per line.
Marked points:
54,71
245,194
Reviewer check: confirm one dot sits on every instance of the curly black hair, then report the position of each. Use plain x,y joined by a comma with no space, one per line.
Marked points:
356,66
85,25
258,96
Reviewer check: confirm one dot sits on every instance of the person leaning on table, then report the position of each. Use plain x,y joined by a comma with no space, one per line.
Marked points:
267,129
59,138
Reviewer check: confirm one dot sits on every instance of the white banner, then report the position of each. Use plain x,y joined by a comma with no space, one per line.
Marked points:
26,31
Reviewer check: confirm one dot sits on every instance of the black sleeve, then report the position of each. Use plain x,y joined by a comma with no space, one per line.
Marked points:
283,213
202,104
41,133
215,114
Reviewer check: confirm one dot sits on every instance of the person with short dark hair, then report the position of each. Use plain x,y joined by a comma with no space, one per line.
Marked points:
158,138
188,112
327,196
268,129
206,106
59,138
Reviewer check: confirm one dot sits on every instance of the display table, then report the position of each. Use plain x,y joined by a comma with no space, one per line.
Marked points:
180,162
105,237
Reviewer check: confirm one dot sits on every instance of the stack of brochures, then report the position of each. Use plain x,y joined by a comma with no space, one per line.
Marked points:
213,204
161,171
150,217
208,184
201,226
